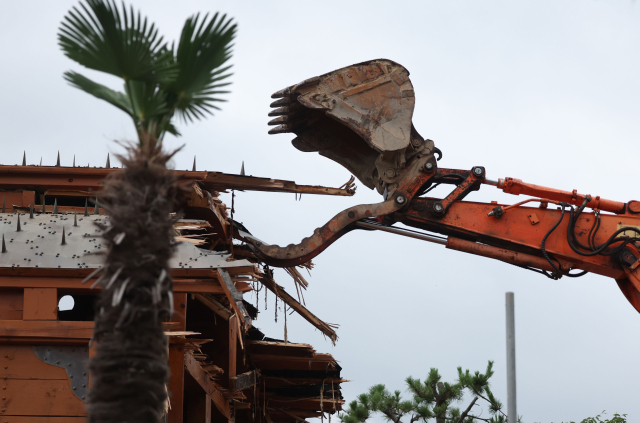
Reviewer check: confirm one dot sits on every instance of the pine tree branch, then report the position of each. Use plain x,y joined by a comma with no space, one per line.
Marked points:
479,418
464,414
487,400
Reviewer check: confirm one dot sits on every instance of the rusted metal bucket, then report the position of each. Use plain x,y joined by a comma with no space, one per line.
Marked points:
359,116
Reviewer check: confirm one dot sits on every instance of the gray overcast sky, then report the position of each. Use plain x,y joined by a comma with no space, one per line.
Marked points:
544,91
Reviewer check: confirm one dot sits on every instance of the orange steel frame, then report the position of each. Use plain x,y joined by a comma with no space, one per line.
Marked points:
515,236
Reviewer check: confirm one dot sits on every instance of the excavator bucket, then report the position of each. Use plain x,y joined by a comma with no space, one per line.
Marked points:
359,116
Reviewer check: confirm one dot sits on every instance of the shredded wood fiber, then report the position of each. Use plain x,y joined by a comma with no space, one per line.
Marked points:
129,370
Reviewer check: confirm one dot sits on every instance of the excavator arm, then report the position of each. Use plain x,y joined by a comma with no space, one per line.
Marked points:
360,117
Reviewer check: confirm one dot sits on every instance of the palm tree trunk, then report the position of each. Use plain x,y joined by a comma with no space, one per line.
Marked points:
130,371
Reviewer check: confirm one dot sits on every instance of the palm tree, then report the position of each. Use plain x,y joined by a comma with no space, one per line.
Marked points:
130,369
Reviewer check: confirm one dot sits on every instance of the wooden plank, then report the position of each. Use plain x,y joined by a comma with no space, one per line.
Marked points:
20,362
46,328
280,348
276,362
299,308
176,383
85,179
243,381
208,286
176,360
214,305
40,304
43,419
52,330
328,404
194,369
11,302
28,198
233,345
40,398
198,408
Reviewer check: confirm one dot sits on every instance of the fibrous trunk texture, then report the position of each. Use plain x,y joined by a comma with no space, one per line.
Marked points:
130,370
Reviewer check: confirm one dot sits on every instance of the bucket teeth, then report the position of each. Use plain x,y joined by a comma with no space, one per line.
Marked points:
282,93
279,120
282,129
280,111
281,102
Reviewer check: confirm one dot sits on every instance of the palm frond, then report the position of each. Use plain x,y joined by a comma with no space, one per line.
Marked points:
204,47
118,42
118,99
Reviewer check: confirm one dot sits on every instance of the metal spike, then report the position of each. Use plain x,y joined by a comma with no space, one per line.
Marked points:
280,129
19,228
55,206
194,164
282,93
40,160
242,169
4,246
74,160
75,218
108,166
281,102
96,210
86,207
31,211
58,161
44,201
24,158
4,209
64,239
279,120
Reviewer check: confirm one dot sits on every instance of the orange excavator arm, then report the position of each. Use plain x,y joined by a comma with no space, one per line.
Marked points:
360,116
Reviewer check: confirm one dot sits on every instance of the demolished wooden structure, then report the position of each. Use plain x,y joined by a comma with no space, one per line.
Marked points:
223,368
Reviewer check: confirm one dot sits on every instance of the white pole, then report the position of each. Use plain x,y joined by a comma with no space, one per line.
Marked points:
511,360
